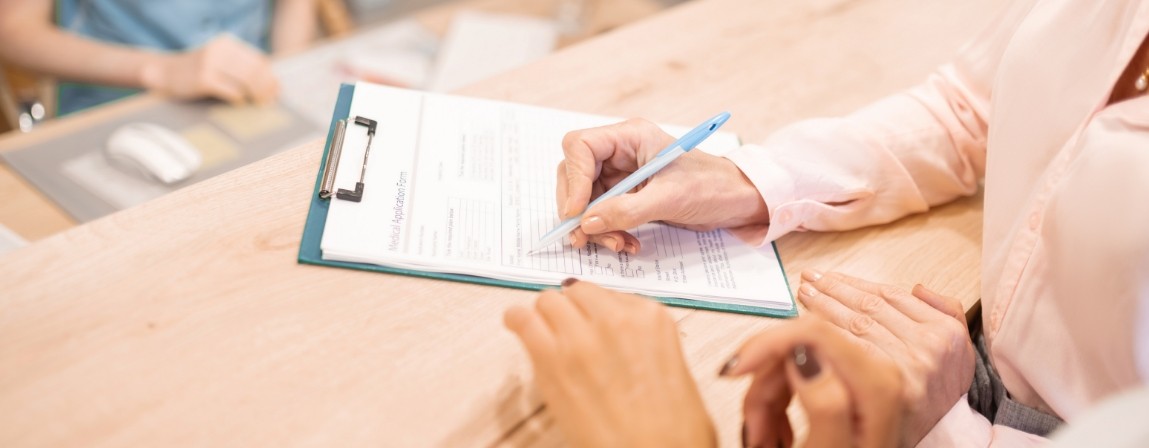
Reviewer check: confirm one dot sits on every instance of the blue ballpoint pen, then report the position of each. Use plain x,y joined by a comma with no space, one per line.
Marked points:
660,161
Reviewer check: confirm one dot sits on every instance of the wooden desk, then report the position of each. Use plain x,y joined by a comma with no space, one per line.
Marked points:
186,321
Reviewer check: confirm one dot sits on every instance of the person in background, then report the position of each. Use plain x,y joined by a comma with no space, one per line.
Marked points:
104,50
1049,106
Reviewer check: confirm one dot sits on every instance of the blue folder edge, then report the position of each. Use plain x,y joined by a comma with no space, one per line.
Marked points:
310,253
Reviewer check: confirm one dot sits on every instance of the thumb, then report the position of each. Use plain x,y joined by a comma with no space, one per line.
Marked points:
824,398
624,212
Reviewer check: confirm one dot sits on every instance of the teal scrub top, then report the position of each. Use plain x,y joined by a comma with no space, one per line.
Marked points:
168,25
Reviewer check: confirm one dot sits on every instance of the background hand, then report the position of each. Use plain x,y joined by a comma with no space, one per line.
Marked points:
697,191
225,68
922,332
610,368
850,397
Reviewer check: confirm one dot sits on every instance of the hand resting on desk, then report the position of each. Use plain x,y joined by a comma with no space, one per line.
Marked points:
698,191
611,371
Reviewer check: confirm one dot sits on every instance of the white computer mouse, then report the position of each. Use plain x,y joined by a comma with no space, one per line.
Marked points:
154,151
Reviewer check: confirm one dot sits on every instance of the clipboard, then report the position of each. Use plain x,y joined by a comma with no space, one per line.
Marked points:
311,254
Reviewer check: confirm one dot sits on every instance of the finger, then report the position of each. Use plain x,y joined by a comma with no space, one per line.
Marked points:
831,308
246,65
255,76
226,66
627,211
583,152
265,86
770,348
561,188
898,298
824,397
862,301
767,349
617,241
532,331
592,300
873,385
586,150
764,407
566,320
948,305
218,85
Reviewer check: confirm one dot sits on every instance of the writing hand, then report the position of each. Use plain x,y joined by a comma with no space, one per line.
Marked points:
697,191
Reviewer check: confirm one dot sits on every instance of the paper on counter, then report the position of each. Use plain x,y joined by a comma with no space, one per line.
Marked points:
401,53
481,45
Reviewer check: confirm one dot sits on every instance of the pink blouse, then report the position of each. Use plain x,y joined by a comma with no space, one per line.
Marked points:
1065,264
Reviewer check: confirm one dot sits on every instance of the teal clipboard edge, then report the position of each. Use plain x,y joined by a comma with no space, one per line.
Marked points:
310,253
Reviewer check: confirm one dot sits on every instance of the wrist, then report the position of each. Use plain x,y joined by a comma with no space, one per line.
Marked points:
749,206
152,72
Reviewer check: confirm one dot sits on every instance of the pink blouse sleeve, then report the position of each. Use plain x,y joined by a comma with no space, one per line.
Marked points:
900,155
964,428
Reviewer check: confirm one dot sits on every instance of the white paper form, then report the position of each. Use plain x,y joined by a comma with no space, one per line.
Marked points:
468,186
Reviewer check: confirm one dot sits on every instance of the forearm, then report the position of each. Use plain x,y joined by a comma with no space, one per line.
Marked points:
31,41
893,158
294,27
899,156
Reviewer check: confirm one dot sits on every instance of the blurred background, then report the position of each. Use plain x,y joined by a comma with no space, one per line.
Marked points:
28,97
106,104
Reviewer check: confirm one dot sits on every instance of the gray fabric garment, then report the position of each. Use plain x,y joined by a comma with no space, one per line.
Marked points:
987,394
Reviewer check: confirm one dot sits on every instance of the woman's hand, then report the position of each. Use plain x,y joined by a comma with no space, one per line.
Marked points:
225,68
610,368
922,332
850,397
698,191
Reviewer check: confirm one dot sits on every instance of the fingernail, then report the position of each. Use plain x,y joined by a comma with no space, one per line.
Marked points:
610,242
569,281
811,275
730,364
743,434
566,211
808,289
805,361
631,248
572,238
593,225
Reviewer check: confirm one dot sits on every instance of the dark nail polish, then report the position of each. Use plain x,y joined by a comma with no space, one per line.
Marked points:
726,368
743,434
569,281
805,361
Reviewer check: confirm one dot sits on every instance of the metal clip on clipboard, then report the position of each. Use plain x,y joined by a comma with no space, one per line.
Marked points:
333,153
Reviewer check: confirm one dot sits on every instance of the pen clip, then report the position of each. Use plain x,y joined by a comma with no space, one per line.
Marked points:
701,132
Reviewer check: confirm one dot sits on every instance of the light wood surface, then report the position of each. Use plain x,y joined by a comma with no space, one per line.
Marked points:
187,321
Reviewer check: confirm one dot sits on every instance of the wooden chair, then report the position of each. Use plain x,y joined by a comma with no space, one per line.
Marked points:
334,18
20,88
